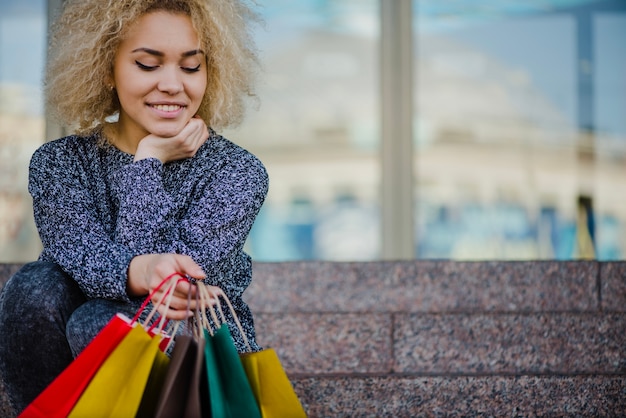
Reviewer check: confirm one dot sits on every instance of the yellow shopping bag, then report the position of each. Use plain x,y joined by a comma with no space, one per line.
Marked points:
118,386
271,386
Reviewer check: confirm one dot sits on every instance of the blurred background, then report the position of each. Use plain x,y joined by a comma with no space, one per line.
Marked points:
398,129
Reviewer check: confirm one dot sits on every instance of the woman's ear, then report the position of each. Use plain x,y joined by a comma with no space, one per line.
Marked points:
109,81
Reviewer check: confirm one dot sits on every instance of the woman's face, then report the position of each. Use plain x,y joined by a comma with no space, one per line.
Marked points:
160,76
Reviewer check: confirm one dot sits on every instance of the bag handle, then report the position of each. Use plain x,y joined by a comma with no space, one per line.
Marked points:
199,320
151,295
205,304
168,295
167,298
216,296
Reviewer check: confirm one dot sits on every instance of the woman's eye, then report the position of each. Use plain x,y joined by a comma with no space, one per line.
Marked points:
146,67
191,69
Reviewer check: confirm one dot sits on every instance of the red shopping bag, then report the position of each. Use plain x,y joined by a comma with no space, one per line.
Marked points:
58,399
61,395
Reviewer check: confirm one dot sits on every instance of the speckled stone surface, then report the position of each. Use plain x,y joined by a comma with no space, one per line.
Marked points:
444,338
424,286
447,343
613,281
329,343
558,343
493,396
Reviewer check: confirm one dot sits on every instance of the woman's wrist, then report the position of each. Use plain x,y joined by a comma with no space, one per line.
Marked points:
136,281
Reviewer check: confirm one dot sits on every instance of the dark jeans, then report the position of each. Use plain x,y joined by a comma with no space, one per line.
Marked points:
45,321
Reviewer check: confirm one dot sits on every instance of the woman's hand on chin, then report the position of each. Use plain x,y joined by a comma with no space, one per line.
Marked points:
183,145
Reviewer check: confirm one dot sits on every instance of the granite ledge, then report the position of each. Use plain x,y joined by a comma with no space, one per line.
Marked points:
453,343
425,286
613,286
402,397
431,286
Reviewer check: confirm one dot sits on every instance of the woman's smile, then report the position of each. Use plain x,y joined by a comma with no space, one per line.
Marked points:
167,111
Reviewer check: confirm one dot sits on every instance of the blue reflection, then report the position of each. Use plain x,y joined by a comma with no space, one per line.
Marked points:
447,232
544,72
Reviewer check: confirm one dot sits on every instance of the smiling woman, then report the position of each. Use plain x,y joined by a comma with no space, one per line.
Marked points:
230,70
160,77
120,205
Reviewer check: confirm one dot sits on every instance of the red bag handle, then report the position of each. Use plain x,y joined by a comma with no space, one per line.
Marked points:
156,289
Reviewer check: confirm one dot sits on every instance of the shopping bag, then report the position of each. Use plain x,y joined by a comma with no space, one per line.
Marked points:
196,402
123,381
229,391
156,380
270,385
117,387
184,392
58,399
230,394
180,393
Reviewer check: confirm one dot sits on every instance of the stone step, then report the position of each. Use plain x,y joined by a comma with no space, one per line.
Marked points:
445,338
462,396
438,286
537,343
442,338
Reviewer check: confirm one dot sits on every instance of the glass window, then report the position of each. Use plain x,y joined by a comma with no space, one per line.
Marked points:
520,131
609,97
23,27
519,128
316,130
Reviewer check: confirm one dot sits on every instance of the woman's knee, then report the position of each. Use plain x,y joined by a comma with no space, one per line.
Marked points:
89,319
40,288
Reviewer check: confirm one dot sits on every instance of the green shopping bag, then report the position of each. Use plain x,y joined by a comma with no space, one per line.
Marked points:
230,394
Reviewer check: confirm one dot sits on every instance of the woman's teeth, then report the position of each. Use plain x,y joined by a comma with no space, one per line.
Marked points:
167,108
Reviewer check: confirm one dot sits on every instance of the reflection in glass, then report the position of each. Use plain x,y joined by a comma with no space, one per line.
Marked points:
519,134
22,53
316,130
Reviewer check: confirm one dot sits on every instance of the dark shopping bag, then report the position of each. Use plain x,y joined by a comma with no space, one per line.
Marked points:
181,392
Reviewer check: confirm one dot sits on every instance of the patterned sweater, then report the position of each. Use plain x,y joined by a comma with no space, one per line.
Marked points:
95,209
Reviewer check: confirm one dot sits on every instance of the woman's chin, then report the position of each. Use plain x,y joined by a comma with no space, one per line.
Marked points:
167,132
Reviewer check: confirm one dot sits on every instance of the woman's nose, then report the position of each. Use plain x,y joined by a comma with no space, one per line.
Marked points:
170,81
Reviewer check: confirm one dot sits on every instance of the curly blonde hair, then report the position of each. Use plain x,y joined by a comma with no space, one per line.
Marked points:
85,38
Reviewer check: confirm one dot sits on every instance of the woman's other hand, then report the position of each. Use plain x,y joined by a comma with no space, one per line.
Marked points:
147,271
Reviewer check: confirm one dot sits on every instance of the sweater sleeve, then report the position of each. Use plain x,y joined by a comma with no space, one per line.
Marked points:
216,228
211,227
69,226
